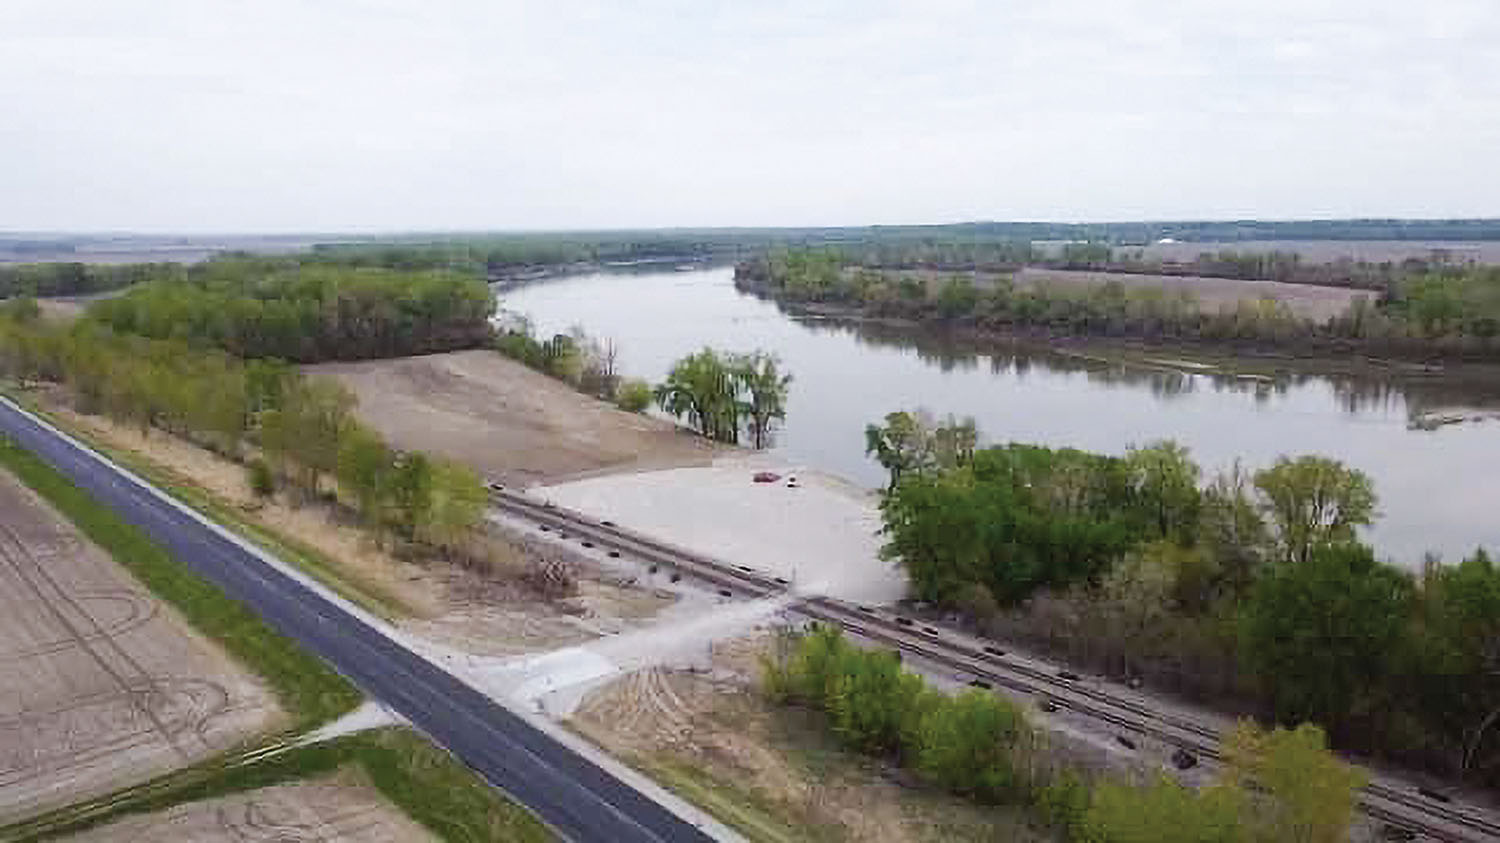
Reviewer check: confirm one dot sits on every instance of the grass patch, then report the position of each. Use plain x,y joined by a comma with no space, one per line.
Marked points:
307,688
424,782
367,596
757,816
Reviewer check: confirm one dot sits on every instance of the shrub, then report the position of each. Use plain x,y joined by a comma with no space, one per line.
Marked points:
262,479
633,395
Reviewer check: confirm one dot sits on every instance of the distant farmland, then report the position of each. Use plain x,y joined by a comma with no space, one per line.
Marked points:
1213,294
1327,251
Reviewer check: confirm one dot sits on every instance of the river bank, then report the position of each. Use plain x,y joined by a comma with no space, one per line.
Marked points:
1245,359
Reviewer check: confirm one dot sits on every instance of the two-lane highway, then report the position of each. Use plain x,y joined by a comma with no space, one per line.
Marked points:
580,800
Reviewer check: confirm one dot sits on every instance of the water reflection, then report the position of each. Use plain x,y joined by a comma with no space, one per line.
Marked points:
1438,479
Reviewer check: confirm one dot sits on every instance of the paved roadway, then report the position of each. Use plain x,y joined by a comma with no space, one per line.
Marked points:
572,794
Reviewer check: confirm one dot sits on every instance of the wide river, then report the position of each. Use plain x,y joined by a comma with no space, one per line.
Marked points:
1439,488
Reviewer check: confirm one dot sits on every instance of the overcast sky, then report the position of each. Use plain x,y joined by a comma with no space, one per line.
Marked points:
294,115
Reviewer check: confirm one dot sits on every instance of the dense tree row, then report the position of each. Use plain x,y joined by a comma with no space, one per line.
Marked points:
78,279
1278,785
926,245
1451,311
273,308
293,430
1247,584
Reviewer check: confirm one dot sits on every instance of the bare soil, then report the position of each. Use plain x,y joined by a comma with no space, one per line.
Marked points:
772,772
101,686
507,421
336,809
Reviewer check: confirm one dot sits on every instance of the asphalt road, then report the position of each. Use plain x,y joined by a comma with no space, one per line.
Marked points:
576,797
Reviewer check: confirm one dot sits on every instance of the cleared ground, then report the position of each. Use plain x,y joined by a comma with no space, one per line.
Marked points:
329,810
1213,294
814,530
505,420
101,686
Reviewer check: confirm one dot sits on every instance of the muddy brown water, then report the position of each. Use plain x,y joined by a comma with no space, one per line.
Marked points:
1438,482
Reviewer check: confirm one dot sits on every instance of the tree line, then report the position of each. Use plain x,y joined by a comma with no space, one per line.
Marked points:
40,280
278,308
293,432
1450,311
1249,586
1275,786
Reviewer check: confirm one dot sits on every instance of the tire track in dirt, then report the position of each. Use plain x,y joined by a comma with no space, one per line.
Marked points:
143,691
139,611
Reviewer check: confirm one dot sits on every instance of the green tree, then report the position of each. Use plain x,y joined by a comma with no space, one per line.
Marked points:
870,699
957,298
1232,529
633,396
365,464
1319,634
1455,655
1311,792
1165,479
1164,812
970,745
1314,502
702,387
303,433
411,492
262,480
901,445
455,503
953,442
765,391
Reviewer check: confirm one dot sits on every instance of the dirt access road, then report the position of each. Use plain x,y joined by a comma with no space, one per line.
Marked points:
507,421
101,686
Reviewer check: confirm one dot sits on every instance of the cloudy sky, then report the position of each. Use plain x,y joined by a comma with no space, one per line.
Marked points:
292,115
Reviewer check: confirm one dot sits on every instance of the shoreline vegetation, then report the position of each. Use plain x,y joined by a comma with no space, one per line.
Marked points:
1246,591
1424,311
721,394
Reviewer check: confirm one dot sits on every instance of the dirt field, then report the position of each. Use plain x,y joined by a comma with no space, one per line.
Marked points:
1213,294
507,421
1327,251
100,685
339,809
775,771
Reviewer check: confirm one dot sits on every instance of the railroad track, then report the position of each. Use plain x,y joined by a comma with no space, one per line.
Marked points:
1420,813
